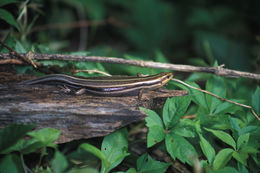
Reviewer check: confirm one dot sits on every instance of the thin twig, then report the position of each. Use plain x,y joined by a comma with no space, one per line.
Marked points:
150,64
26,57
221,98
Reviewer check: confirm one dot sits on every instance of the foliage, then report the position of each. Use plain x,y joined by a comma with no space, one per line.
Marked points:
221,138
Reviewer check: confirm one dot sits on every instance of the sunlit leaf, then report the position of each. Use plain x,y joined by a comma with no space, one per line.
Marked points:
59,163
46,135
154,123
173,109
222,158
242,140
178,147
207,149
223,136
114,147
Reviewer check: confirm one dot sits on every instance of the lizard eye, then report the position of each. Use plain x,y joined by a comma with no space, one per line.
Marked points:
168,76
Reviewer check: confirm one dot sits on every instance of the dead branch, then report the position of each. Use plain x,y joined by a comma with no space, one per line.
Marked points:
220,70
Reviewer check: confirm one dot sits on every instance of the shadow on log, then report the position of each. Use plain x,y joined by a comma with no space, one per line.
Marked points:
77,116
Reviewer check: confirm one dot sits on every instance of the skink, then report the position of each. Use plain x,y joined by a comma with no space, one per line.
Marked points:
106,86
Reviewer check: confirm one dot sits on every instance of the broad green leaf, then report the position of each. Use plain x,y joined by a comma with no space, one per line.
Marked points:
54,63
11,134
242,140
256,100
234,125
131,170
196,96
154,123
59,163
223,136
155,135
225,170
46,135
19,47
242,168
216,85
240,156
207,149
5,2
249,149
8,17
152,119
11,164
184,131
226,107
24,146
160,57
202,115
178,147
173,109
82,170
250,129
114,147
95,151
222,158
185,128
145,164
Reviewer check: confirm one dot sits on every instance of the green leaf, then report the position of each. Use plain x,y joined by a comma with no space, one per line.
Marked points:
226,107
207,149
222,158
8,17
242,140
19,47
241,157
216,85
256,100
196,96
114,147
59,163
154,123
5,2
185,128
185,131
152,119
242,169
11,164
249,149
145,164
24,146
95,151
223,136
82,170
155,135
11,134
47,136
178,147
225,170
54,63
173,109
131,170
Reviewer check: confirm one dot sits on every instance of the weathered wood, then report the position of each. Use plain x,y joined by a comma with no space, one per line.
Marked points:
77,116
10,58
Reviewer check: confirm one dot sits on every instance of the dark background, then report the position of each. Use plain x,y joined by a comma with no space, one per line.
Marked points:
187,32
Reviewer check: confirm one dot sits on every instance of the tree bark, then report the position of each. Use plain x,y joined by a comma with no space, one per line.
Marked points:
77,116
